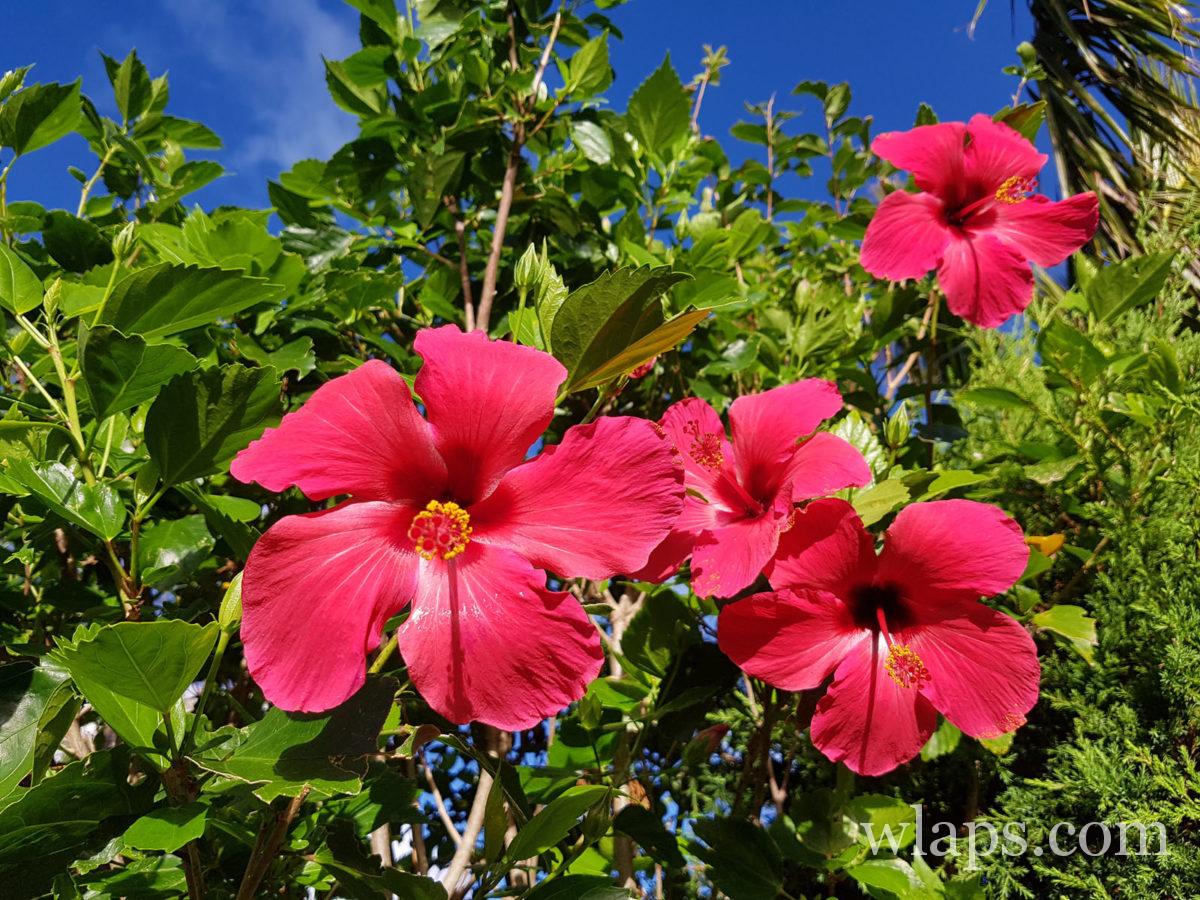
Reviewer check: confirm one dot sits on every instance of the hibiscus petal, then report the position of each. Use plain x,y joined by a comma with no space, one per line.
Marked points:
906,236
487,642
998,152
826,549
1047,232
953,545
729,558
767,426
593,506
358,434
697,433
676,547
932,153
823,464
487,401
868,721
316,593
790,639
983,668
985,280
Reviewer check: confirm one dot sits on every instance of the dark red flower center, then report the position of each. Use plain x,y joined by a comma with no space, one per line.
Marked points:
880,608
1015,189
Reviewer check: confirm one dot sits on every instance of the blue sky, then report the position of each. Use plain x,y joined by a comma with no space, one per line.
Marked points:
252,71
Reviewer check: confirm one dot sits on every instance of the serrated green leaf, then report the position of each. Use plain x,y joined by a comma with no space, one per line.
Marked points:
95,507
200,420
25,693
151,663
167,829
20,289
39,115
554,822
120,371
166,298
659,113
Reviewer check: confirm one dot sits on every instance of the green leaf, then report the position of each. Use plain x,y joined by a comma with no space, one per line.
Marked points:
131,84
95,507
167,829
75,244
122,371
592,140
66,817
992,398
1070,351
589,69
649,831
167,298
200,420
853,429
659,113
579,887
25,692
742,859
941,742
1126,285
1072,623
429,178
555,822
878,815
20,289
1026,118
170,550
892,875
151,663
39,115
615,323
283,752
875,502
952,479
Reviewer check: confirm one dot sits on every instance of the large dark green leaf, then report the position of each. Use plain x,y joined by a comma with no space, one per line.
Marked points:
555,822
95,507
151,663
65,817
579,887
742,859
131,84
170,550
75,244
25,692
122,371
610,326
39,115
659,112
1122,286
167,298
649,831
285,751
1070,351
168,828
20,289
200,420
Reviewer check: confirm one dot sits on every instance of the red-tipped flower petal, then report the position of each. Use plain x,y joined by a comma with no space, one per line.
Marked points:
487,401
316,593
790,639
594,506
358,434
487,642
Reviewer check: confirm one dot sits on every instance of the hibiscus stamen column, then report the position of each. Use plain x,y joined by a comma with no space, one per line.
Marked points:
902,664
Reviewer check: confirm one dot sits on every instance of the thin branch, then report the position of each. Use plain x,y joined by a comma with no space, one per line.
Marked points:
466,848
508,187
266,849
443,814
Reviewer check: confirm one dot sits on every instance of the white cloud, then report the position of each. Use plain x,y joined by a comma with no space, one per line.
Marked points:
267,54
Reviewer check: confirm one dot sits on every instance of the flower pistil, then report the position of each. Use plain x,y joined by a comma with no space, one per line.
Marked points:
441,529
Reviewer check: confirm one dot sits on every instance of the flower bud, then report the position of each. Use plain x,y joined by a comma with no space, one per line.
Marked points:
53,293
898,427
230,614
529,270
124,240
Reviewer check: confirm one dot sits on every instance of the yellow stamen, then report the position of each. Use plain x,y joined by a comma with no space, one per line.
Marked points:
441,529
1016,189
904,666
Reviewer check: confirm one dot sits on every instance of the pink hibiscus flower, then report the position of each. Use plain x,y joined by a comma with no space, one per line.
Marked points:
903,634
978,219
447,513
741,494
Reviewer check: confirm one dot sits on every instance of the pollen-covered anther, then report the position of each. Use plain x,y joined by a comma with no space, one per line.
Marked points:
705,448
1016,189
441,529
904,667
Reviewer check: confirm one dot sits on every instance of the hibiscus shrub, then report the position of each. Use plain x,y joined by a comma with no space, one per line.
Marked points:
537,500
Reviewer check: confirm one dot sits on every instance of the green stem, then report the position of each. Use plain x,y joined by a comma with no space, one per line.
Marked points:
385,653
209,680
91,182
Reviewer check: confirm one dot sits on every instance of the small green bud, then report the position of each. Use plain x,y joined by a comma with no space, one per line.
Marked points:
529,270
124,240
51,298
1026,53
230,614
898,427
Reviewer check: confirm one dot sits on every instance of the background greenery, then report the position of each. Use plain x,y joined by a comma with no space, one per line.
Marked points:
491,185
